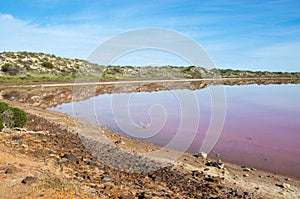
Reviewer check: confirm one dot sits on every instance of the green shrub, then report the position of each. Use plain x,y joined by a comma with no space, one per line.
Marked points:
11,117
1,123
19,117
5,67
3,106
11,70
48,65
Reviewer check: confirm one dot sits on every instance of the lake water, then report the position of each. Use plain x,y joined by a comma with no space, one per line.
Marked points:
261,129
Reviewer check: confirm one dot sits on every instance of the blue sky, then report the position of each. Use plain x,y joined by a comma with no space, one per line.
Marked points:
255,35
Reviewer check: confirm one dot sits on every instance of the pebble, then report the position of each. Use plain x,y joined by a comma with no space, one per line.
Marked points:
107,178
217,164
246,175
16,138
70,157
246,169
119,142
8,171
284,185
203,155
28,180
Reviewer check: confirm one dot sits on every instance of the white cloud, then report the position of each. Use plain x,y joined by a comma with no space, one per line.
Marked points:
282,56
62,40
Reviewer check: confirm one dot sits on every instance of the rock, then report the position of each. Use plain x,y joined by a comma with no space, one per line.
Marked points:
92,185
8,171
246,175
247,169
196,155
284,185
119,142
107,178
217,180
196,173
217,164
24,145
203,155
16,138
28,180
70,157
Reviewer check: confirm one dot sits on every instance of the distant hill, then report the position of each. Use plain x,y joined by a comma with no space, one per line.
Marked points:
38,67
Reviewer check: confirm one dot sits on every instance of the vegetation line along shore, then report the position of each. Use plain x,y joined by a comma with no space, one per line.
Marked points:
21,67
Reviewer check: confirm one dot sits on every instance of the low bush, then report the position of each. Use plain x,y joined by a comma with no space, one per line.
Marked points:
19,116
10,69
1,123
3,106
5,67
48,65
11,117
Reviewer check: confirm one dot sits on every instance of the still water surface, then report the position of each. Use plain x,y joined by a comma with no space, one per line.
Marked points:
261,129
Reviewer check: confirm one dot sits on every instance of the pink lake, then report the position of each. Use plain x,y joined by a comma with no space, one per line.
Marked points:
261,129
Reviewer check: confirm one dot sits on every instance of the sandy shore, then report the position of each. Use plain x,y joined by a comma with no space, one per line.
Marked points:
61,166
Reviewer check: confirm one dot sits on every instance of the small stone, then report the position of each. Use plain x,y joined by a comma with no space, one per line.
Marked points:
28,180
203,155
107,178
284,186
92,185
25,145
217,164
119,142
16,138
288,179
8,171
195,173
246,175
246,169
196,155
70,157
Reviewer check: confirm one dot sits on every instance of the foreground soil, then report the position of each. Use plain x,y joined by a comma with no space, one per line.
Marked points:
49,160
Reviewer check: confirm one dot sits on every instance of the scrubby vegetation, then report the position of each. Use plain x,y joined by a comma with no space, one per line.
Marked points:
11,116
39,67
48,65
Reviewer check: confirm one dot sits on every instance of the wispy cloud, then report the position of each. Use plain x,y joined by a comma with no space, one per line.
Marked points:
63,40
257,34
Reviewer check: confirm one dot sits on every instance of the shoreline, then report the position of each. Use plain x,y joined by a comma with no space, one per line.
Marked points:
86,83
259,183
